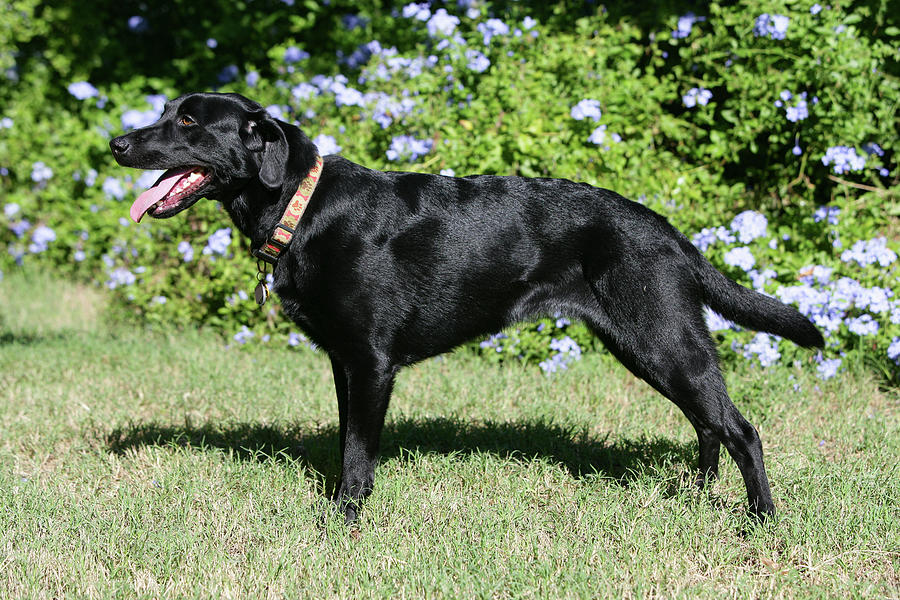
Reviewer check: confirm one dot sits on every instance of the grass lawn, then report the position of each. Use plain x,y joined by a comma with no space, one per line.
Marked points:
164,464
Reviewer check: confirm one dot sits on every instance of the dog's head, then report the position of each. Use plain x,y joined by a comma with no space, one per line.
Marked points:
211,146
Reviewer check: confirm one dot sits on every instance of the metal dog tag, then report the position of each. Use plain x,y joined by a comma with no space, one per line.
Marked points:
261,293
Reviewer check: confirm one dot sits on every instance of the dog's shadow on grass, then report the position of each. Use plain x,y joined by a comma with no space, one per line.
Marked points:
576,450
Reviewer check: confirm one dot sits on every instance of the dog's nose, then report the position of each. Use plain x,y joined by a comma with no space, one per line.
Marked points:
119,145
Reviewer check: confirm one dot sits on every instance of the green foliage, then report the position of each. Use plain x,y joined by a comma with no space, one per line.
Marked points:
695,125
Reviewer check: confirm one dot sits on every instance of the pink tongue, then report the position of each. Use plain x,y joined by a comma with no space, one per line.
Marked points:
156,193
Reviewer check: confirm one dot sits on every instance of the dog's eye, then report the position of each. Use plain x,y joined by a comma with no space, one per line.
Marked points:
186,120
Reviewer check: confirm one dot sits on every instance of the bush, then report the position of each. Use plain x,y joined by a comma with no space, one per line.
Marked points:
741,125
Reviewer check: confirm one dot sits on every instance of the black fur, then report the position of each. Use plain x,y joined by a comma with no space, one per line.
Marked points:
388,269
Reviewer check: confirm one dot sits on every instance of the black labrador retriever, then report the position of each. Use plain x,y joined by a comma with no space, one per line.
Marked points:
387,269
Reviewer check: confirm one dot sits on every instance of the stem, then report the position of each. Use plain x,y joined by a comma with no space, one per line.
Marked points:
861,186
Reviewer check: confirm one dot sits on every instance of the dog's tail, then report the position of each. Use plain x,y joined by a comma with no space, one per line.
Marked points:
752,309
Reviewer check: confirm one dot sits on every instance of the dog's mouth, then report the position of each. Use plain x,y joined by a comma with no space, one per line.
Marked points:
174,191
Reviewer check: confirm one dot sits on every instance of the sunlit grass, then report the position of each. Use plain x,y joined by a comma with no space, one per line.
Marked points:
143,464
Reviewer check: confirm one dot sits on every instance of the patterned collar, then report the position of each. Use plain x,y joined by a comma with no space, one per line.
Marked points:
284,231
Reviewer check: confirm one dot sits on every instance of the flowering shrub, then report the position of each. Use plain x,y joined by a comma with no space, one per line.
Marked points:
764,130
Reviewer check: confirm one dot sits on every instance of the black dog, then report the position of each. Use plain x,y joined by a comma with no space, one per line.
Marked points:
387,269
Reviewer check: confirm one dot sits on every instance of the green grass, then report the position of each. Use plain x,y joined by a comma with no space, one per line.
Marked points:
163,464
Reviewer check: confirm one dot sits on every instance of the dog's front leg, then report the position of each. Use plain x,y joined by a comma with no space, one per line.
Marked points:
363,393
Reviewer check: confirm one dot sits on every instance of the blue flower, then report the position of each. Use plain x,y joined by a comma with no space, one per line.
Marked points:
586,109
491,28
704,239
893,351
228,74
40,172
740,257
138,24
816,274
873,148
20,227
17,253
244,335
765,347
120,277
326,144
113,189
715,321
386,109
478,62
252,78
796,150
40,238
212,43
867,252
135,119
566,346
297,339
361,56
304,91
828,368
553,364
494,342
708,236
186,251
598,136
351,22
774,26
407,147
145,181
863,325
294,54
10,210
815,9
277,112
685,24
809,300
528,23
218,242
799,111
566,350
829,213
843,158
759,279
695,96
875,299
347,96
6,123
471,10
418,11
749,225
83,90
442,23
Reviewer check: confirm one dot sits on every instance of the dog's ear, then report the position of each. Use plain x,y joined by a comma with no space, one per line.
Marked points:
261,133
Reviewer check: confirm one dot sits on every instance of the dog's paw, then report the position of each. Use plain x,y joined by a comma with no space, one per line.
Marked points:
333,511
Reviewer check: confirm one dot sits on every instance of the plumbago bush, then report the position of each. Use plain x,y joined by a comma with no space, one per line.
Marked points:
765,131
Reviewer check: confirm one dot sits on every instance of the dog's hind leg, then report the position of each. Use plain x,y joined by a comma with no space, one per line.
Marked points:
363,394
709,452
654,325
